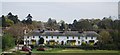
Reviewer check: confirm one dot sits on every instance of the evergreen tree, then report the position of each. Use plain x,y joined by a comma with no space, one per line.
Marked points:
62,27
3,21
29,19
12,17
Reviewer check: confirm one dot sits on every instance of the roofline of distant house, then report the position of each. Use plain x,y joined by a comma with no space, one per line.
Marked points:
61,33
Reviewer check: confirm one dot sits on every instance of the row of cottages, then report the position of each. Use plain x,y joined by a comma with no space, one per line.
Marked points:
61,38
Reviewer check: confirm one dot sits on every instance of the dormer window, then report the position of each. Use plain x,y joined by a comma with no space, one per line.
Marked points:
61,32
91,37
80,31
41,31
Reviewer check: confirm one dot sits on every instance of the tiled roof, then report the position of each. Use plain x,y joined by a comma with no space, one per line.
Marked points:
60,33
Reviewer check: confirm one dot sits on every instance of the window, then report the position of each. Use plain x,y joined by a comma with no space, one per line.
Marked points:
86,42
62,42
57,37
27,36
33,36
46,41
52,37
78,42
91,41
73,37
67,37
46,37
39,37
85,37
79,37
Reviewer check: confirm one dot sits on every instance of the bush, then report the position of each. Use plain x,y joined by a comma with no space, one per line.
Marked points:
108,47
83,44
7,41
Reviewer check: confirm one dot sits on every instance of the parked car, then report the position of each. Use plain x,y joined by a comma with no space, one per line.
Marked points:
41,49
26,48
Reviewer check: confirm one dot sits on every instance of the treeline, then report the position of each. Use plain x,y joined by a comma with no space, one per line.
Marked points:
52,24
108,29
13,29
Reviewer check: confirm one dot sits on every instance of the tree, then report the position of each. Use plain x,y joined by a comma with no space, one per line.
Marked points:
84,25
3,21
62,25
95,27
115,36
49,21
41,41
9,22
106,23
29,19
9,14
7,41
23,21
15,19
105,37
6,22
116,24
74,24
51,24
70,26
106,41
12,17
38,25
17,30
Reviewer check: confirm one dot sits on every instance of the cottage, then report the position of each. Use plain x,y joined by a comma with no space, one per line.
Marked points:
73,38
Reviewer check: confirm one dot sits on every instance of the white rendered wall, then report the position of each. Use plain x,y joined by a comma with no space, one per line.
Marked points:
60,39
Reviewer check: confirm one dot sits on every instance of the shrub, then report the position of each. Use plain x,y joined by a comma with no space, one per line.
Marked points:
7,41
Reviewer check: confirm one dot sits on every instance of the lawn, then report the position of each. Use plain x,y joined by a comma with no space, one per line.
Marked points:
57,51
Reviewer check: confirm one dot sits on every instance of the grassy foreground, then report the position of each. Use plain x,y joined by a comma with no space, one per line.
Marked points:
76,52
73,52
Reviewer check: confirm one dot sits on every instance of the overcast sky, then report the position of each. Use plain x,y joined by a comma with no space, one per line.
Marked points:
67,11
59,0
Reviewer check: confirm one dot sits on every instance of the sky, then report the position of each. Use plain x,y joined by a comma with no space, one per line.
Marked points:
67,11
59,0
0,8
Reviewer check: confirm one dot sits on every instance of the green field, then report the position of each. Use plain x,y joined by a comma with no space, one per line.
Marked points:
75,51
56,51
